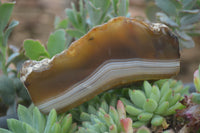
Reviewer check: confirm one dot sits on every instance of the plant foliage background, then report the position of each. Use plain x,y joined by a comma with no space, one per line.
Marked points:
113,111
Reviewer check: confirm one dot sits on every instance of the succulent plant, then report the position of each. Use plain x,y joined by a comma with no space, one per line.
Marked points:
114,121
12,90
77,24
182,16
150,105
36,51
6,10
175,85
85,111
31,120
153,104
91,13
143,129
197,79
190,114
103,101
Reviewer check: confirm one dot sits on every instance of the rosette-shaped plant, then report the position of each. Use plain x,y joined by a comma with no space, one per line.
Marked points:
31,120
103,101
153,104
190,114
113,122
196,96
182,16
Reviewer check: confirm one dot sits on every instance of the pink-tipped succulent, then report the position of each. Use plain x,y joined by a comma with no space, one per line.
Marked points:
121,110
197,79
127,125
115,121
191,114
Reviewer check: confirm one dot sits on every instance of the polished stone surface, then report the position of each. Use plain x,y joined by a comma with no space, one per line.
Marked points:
119,52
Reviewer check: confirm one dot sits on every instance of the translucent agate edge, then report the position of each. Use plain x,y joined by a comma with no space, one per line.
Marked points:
107,72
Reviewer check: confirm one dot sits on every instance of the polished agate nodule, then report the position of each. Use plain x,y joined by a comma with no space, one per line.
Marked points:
119,52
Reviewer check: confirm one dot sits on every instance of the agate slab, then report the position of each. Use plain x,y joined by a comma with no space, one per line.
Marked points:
120,52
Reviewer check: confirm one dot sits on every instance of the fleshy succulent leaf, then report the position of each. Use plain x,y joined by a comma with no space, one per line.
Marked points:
73,128
121,110
195,98
166,20
66,123
178,88
189,19
187,4
35,50
174,99
113,129
84,116
157,120
167,6
182,15
7,90
113,101
109,120
20,127
9,30
197,79
138,124
155,93
75,33
24,115
147,88
56,42
133,110
166,96
162,108
158,102
172,109
105,106
137,97
52,118
150,105
127,125
168,131
92,109
5,13
114,114
4,130
143,129
56,128
39,120
145,116
63,24
164,88
122,7
126,101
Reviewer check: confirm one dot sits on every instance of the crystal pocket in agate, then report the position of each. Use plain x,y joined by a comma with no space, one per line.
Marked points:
119,52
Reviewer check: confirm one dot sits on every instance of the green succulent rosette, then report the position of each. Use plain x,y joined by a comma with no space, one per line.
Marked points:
154,103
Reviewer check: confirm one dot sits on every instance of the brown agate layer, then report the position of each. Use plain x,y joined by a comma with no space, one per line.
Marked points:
120,40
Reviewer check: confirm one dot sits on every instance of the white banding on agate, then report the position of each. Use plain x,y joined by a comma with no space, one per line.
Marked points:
107,72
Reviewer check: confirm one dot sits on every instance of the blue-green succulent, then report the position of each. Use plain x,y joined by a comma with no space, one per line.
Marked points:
153,103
